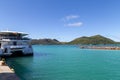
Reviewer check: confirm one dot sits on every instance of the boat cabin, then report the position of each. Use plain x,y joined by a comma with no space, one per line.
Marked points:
12,42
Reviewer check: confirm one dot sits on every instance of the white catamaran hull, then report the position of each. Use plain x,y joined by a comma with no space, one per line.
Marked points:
14,44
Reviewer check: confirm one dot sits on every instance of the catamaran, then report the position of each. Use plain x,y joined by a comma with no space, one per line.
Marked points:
14,44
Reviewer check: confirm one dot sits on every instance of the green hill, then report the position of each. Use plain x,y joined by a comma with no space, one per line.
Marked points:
97,39
45,41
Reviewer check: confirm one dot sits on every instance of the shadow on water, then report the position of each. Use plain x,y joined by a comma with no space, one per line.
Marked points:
8,76
24,65
21,65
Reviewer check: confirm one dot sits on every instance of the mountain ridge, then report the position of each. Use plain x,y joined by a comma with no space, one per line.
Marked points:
96,39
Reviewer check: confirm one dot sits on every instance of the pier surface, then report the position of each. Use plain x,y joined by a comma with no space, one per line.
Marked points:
100,47
6,73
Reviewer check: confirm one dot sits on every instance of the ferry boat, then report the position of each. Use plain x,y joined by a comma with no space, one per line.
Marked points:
14,44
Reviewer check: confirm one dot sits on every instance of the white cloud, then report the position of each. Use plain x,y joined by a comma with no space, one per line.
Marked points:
70,17
75,24
72,21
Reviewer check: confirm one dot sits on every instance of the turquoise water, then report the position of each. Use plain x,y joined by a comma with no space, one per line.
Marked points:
67,62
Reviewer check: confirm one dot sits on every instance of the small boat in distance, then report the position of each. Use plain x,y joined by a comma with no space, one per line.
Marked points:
14,44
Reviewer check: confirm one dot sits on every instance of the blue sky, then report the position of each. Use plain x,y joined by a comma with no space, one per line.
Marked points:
61,19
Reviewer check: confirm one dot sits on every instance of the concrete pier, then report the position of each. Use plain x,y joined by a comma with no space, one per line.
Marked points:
6,73
100,47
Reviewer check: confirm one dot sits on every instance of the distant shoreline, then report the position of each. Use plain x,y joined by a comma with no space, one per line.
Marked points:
100,47
94,40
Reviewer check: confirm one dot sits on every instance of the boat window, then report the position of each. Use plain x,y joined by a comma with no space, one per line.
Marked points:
14,43
5,50
4,43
